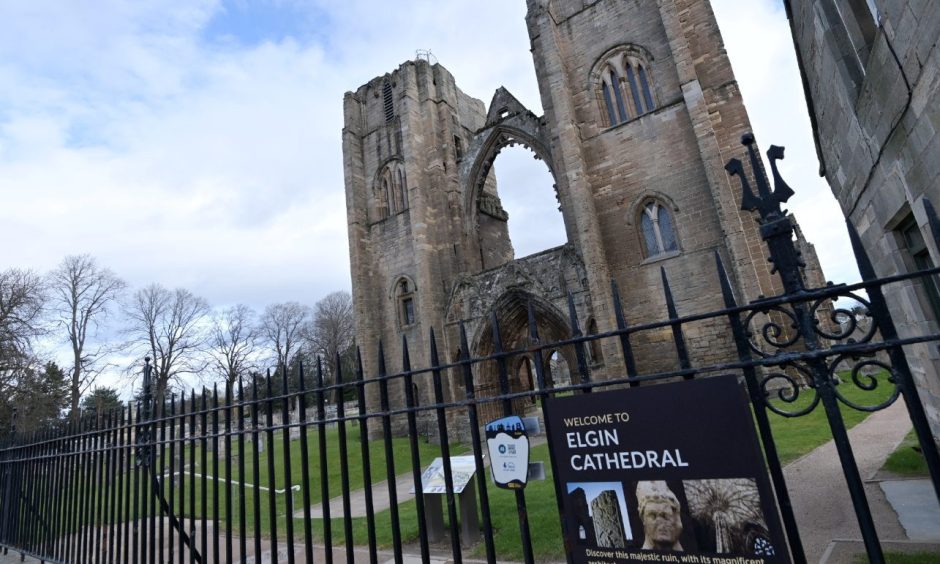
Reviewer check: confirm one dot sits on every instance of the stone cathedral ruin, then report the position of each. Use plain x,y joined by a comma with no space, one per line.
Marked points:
642,111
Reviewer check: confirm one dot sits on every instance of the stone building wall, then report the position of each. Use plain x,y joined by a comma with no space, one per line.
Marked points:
674,154
874,94
451,244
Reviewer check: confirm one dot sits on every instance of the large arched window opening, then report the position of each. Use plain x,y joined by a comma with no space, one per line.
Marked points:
525,189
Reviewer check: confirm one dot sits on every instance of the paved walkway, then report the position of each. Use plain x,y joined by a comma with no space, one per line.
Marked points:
360,554
404,483
915,502
820,497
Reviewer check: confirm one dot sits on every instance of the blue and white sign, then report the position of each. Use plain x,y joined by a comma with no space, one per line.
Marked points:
508,445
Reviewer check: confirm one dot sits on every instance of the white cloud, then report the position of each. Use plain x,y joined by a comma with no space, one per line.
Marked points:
198,160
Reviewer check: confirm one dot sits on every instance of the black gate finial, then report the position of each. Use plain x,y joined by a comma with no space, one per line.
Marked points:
775,225
767,203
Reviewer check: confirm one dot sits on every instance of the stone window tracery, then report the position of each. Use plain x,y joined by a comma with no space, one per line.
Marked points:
624,89
391,191
658,230
402,192
406,302
381,200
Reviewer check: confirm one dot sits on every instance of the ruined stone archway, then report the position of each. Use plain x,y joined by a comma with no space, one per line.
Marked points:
512,314
491,142
508,123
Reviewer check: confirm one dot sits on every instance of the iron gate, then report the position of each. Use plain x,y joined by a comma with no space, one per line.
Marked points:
140,485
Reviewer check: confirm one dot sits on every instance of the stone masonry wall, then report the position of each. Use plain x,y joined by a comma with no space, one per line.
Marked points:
880,147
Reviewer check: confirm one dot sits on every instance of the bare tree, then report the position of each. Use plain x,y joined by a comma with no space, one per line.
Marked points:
169,325
333,330
232,343
22,301
282,328
82,294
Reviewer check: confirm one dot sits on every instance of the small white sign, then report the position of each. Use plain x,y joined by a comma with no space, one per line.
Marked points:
508,446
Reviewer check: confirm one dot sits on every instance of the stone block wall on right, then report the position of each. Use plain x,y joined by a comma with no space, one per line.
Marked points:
872,76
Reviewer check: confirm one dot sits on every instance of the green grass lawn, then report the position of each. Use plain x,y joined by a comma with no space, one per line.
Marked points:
544,524
182,490
401,453
796,436
905,461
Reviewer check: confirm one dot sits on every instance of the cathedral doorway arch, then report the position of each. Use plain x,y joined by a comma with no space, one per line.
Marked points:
513,319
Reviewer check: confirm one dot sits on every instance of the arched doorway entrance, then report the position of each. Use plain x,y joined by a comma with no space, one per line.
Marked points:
511,312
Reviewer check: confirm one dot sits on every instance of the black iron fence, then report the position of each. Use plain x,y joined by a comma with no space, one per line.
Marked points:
278,475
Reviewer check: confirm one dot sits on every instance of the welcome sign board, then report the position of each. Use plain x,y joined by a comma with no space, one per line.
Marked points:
664,473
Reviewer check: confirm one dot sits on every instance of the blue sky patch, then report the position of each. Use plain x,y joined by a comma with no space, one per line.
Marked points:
250,23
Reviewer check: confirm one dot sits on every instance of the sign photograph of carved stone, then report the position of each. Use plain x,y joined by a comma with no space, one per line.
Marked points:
662,521
664,473
727,516
602,518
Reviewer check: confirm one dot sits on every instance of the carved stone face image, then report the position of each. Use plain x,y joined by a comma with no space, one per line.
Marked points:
659,510
662,525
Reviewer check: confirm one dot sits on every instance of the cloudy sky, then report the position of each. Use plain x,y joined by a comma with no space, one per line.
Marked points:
196,143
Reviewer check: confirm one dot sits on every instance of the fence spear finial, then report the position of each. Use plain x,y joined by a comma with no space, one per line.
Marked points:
766,202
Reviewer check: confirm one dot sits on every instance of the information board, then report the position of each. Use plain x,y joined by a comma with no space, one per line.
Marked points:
432,480
664,473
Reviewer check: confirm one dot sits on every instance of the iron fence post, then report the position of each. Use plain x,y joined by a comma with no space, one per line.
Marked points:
758,400
777,231
535,347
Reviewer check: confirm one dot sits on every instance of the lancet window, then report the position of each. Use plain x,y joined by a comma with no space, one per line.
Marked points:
625,91
657,230
405,294
391,191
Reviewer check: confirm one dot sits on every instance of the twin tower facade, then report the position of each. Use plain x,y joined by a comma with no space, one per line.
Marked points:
642,112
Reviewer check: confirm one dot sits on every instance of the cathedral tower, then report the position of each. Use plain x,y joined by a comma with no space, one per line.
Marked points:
641,113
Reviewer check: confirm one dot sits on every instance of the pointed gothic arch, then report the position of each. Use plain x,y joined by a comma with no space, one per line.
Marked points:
508,123
513,316
389,189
